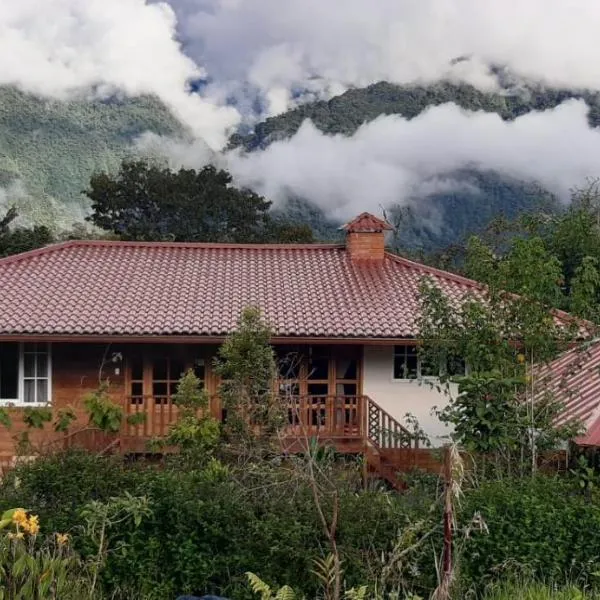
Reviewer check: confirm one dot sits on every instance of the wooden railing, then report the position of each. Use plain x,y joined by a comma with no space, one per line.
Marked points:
331,416
385,432
355,423
335,416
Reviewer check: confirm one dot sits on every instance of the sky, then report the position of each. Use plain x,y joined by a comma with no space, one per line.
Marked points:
254,58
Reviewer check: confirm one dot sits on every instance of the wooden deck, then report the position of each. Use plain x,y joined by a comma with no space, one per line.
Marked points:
350,424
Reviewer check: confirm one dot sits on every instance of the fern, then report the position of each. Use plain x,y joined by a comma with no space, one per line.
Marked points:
286,593
258,586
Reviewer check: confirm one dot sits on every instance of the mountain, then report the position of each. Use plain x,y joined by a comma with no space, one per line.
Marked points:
49,148
346,113
438,219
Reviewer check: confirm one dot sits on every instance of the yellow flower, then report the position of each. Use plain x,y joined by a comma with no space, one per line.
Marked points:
15,536
20,517
32,525
62,538
521,358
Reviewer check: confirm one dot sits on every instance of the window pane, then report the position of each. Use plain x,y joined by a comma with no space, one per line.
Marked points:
29,389
173,387
159,388
318,389
200,369
42,365
456,366
428,368
137,368
318,368
9,371
177,369
137,388
42,390
346,368
29,368
405,362
160,369
31,347
346,389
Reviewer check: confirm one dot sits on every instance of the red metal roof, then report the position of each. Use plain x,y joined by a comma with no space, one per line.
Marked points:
574,380
155,289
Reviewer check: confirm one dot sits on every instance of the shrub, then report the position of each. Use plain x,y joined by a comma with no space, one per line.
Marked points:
210,524
542,527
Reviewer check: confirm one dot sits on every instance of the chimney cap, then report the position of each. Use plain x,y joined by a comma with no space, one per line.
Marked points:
366,223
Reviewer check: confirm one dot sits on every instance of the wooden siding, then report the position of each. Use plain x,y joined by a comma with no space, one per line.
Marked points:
75,372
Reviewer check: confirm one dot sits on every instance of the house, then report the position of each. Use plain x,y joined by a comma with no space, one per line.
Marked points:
141,313
573,380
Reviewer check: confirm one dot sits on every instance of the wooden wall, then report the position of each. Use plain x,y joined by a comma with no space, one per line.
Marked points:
75,372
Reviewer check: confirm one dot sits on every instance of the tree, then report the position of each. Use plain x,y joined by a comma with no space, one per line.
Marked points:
21,239
247,367
502,408
151,203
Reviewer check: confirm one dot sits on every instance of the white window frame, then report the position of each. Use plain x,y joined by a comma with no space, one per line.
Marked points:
20,401
419,377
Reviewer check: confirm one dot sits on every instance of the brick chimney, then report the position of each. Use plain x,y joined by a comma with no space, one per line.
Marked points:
365,237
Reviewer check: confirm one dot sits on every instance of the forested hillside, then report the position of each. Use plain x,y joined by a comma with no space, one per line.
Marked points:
52,147
345,113
431,222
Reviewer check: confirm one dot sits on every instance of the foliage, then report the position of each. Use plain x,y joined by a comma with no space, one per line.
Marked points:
543,527
33,567
502,406
102,518
36,417
53,146
195,430
21,239
151,203
523,590
210,524
64,418
247,367
103,413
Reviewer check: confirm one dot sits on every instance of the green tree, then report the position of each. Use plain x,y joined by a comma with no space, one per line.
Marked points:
247,366
502,408
21,239
151,203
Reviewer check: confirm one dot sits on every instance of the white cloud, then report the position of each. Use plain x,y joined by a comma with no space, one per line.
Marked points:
325,45
390,159
61,47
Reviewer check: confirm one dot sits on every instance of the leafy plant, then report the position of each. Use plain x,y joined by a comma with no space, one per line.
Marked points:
103,412
36,417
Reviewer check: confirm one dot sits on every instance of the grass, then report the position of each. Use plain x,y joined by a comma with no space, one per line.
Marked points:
511,590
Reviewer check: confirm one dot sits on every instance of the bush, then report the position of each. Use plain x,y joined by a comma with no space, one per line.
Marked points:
543,528
209,525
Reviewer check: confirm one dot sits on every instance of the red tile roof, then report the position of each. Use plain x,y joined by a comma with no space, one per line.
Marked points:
145,289
573,379
366,223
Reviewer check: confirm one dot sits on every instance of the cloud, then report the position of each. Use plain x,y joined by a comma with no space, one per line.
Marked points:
37,211
61,47
323,46
391,160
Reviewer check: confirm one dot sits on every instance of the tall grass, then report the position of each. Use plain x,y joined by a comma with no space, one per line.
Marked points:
515,590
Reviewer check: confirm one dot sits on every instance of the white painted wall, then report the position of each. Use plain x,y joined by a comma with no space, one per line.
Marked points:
399,397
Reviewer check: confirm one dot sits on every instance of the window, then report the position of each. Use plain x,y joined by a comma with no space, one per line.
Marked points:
24,373
408,364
